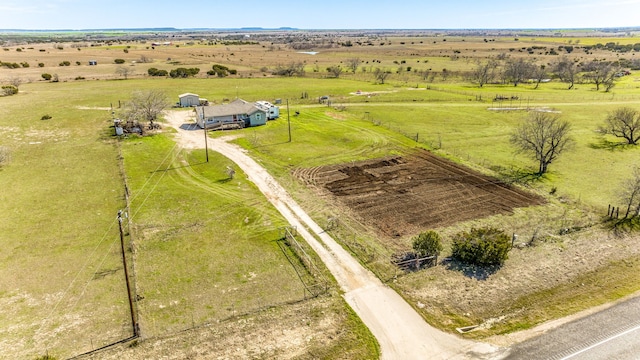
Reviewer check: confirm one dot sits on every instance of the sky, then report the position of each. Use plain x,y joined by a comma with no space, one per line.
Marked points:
314,14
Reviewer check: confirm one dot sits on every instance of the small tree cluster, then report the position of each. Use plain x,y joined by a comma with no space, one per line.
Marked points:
484,246
119,61
9,65
65,63
221,71
293,69
8,90
335,70
157,72
184,72
600,73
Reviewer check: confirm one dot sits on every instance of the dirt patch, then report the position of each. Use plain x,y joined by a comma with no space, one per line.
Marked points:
402,195
298,331
336,116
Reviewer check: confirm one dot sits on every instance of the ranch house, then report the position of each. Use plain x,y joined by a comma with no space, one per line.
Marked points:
236,114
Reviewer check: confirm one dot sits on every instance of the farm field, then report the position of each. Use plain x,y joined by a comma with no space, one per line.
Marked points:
434,149
402,195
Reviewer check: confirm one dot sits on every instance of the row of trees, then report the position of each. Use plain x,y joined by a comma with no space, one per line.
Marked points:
519,70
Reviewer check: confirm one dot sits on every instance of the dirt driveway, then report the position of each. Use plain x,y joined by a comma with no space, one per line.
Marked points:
401,332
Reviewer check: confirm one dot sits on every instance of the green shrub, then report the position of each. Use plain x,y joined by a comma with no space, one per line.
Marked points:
484,246
65,63
119,61
9,65
183,72
40,64
427,243
156,72
46,76
45,117
9,90
220,71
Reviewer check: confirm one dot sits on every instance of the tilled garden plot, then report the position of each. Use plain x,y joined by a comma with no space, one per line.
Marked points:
404,195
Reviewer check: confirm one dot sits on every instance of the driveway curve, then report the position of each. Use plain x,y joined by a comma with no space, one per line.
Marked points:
401,332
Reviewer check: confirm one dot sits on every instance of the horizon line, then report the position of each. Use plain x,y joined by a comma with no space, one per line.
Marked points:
249,28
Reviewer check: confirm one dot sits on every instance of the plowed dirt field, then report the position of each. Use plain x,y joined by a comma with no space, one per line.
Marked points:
404,195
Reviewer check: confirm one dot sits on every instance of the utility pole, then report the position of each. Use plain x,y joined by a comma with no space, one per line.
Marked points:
134,324
204,127
288,120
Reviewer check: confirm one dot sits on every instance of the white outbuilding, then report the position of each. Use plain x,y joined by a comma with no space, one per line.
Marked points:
188,100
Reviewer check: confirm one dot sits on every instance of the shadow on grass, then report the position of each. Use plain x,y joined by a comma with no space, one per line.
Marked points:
517,176
269,145
178,167
604,144
472,271
623,226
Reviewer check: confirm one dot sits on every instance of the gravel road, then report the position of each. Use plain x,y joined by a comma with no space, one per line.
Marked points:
401,332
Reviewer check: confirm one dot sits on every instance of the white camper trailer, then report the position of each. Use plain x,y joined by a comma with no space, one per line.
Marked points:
273,112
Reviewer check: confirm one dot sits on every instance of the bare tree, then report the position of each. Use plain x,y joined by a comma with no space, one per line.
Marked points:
381,75
518,70
566,70
598,72
544,137
539,74
147,106
335,70
630,193
623,123
124,71
424,74
145,59
610,80
484,72
15,81
352,64
444,74
293,69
